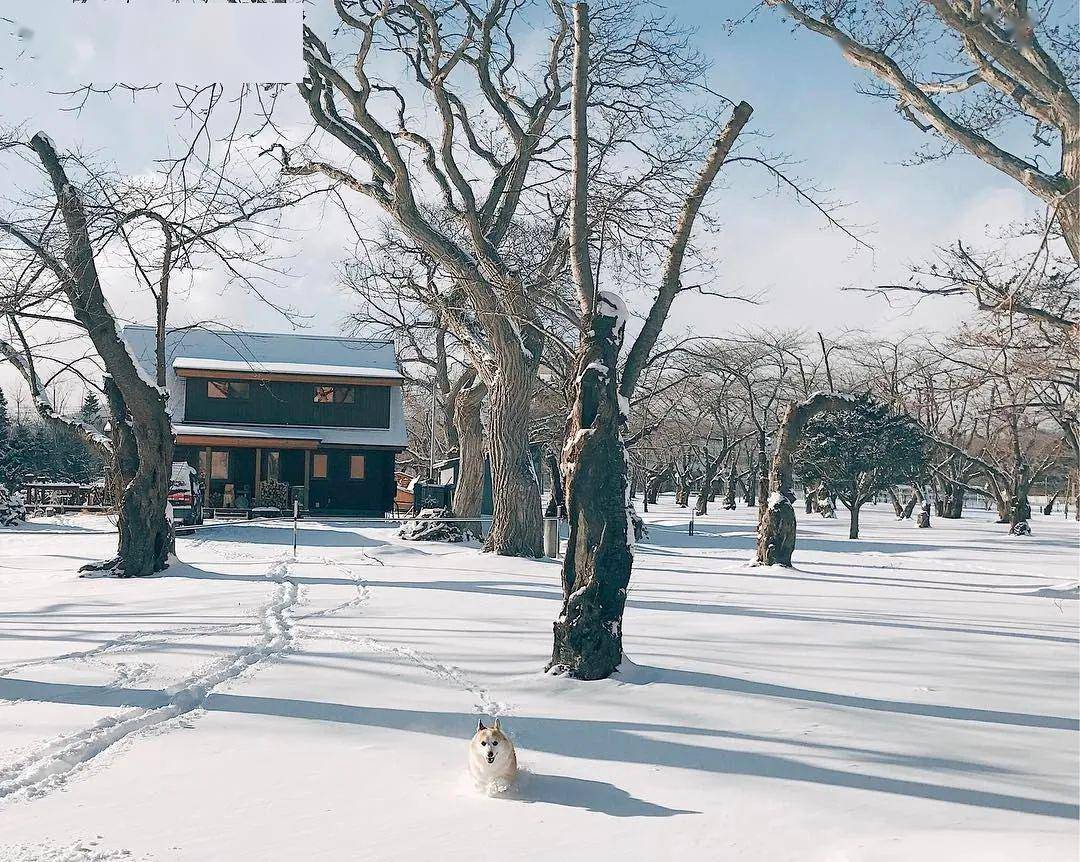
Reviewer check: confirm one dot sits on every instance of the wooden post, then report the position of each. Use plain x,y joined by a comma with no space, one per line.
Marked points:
258,474
307,478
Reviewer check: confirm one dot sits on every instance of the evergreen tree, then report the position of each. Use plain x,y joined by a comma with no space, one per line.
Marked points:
5,443
861,452
91,408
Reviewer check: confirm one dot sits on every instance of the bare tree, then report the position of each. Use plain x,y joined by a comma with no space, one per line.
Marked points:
599,558
965,71
776,525
190,213
142,436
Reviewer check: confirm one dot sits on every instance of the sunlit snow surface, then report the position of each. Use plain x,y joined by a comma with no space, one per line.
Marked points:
909,695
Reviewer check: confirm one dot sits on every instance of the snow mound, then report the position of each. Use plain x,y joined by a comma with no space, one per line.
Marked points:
79,851
1068,590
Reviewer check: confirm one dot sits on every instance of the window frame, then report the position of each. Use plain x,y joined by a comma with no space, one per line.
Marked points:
230,390
363,468
224,454
315,456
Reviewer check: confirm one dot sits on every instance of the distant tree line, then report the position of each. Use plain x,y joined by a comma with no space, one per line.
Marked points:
32,449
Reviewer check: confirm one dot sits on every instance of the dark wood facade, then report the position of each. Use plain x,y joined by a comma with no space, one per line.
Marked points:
277,402
231,475
331,479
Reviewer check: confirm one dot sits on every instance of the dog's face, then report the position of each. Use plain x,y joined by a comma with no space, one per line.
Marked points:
490,744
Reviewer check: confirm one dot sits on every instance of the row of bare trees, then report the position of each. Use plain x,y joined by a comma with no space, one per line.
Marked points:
539,169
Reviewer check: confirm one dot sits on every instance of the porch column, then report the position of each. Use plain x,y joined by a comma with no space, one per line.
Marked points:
307,478
258,472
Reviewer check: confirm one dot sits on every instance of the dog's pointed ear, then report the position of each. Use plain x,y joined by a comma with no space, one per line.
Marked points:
480,724
496,725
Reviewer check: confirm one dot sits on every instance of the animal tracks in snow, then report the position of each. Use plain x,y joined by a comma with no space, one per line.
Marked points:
49,767
483,703
455,676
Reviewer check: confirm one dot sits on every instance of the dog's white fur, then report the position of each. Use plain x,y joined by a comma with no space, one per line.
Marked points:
492,759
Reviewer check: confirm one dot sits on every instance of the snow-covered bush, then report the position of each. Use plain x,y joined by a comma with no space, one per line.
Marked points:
429,527
12,508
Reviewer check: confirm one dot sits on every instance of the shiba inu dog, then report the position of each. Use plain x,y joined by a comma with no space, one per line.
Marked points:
492,759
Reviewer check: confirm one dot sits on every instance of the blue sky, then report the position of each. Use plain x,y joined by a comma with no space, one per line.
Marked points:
804,96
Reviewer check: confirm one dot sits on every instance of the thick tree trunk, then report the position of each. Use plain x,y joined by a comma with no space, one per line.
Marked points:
654,485
469,431
853,524
682,495
894,498
556,506
124,458
952,506
596,570
517,522
763,474
909,506
1020,507
732,485
776,526
145,533
750,491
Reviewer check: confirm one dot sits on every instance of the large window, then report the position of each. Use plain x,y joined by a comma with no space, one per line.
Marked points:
273,466
356,466
335,395
318,465
236,389
219,465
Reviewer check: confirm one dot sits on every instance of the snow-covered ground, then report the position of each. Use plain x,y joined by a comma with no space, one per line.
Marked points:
910,695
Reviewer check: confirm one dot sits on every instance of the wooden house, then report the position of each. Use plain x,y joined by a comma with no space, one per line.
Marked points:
322,415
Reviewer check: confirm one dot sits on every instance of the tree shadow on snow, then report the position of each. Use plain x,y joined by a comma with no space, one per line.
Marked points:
583,793
598,741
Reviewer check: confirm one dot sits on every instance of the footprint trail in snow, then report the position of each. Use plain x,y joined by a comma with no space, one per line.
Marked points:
50,766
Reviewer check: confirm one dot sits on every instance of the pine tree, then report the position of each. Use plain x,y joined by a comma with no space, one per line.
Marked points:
861,452
5,441
91,408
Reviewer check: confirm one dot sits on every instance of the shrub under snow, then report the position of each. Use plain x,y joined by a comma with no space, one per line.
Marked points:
12,508
428,527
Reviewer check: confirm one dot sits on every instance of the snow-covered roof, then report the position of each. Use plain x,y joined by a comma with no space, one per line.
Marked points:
392,437
191,363
232,350
273,353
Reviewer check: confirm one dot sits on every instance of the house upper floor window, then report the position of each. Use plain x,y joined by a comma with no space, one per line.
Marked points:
235,389
335,395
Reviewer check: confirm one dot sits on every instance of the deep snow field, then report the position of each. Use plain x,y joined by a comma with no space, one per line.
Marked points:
909,695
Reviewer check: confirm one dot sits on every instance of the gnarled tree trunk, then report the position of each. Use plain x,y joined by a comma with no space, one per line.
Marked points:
596,570
763,473
913,500
556,505
776,526
953,505
655,485
145,533
517,522
732,483
469,429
